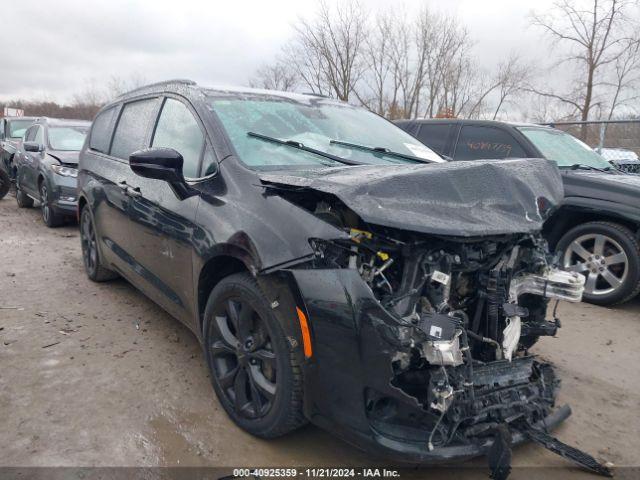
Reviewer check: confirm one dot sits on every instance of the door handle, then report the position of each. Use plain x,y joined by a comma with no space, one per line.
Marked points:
123,186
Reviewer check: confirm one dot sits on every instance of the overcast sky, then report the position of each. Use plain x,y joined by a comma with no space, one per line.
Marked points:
52,49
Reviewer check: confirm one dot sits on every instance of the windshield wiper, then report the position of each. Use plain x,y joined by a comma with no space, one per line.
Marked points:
304,148
582,166
382,151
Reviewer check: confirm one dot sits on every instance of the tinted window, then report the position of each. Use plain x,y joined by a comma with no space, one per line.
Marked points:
477,142
101,131
131,132
434,136
177,128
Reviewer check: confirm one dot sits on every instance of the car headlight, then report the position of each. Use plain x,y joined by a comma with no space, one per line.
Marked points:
64,171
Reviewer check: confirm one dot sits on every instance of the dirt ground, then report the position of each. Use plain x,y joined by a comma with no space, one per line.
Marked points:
97,375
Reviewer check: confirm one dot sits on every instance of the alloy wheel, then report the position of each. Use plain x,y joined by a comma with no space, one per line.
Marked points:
599,258
44,202
88,241
243,358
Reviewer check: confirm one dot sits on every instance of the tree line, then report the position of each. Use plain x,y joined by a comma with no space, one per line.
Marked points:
424,65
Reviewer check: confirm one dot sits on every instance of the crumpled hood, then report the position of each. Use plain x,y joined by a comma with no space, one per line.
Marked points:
65,156
486,197
613,187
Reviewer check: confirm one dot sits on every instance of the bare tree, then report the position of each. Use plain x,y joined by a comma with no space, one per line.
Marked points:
276,76
377,53
328,50
595,37
627,76
512,78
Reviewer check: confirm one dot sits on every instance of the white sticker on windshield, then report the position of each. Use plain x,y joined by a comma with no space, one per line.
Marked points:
421,151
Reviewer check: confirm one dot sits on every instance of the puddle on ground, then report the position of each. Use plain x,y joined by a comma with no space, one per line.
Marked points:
169,441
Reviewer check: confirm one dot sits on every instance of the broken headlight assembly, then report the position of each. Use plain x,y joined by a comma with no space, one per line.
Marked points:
464,313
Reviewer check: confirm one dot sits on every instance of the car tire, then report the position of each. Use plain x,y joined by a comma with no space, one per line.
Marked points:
244,351
50,218
93,266
22,199
5,183
608,254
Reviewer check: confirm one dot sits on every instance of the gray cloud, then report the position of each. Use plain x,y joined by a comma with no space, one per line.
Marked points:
53,49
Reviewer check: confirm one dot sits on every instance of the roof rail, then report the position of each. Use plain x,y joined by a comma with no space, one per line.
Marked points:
183,81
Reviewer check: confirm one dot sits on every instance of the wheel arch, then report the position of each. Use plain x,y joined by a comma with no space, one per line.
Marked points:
214,270
571,217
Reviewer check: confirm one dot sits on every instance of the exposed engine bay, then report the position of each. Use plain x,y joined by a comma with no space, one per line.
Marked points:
466,310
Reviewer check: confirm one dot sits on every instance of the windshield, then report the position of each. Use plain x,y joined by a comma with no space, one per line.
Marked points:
316,124
563,148
67,138
18,127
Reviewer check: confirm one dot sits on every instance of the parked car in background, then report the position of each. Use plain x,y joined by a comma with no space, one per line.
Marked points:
596,230
5,183
314,248
622,158
11,132
46,167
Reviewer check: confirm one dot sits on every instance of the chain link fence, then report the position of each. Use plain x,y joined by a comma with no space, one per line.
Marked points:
618,141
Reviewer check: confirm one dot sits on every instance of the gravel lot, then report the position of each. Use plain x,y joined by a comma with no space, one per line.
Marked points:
97,375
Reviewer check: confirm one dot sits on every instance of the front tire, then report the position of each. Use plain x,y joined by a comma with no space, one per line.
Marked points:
608,255
50,218
93,265
255,375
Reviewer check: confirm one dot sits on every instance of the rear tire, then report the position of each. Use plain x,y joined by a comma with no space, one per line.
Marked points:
256,376
22,199
608,255
93,266
5,183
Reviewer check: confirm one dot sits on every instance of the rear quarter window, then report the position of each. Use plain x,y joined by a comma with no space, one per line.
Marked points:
476,142
434,136
133,128
101,131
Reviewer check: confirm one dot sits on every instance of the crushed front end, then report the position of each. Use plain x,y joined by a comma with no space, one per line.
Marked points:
421,339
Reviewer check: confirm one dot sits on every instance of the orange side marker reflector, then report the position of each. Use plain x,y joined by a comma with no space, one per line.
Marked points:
306,334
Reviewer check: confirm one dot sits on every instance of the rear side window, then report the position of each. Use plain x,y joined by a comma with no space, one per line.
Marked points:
435,136
476,142
101,131
131,131
178,129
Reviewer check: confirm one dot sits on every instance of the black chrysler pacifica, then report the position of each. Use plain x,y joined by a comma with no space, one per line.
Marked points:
334,269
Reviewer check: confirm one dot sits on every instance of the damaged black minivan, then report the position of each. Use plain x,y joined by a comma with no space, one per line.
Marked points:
335,270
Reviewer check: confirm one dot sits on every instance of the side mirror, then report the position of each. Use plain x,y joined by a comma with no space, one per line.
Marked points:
32,147
161,164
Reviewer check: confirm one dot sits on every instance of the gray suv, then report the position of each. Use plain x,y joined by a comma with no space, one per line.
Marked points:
46,167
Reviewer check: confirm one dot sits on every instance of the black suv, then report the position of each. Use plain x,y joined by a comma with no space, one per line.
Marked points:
45,166
12,130
335,269
597,229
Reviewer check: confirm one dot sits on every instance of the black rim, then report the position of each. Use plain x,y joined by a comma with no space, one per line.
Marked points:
88,239
46,210
244,361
